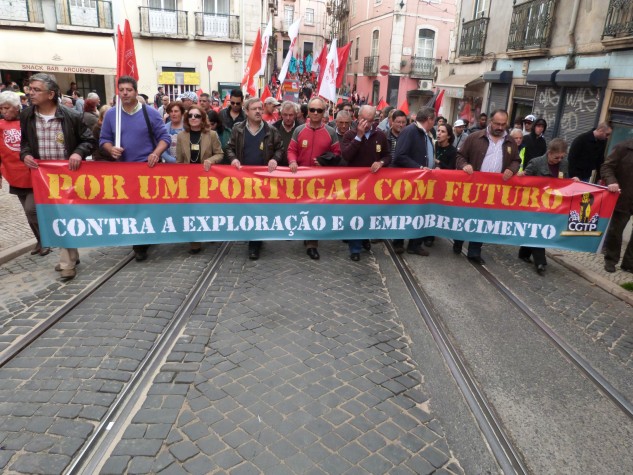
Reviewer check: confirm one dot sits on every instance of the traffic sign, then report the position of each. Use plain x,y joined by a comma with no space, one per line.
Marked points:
384,70
209,63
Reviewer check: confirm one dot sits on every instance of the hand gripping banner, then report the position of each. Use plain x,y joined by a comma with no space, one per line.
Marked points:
102,204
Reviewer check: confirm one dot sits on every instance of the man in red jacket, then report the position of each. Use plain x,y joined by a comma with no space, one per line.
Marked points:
308,141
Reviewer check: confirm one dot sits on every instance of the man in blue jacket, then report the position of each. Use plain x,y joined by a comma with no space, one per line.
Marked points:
415,150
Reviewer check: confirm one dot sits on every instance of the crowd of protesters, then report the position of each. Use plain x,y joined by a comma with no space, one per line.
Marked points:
242,131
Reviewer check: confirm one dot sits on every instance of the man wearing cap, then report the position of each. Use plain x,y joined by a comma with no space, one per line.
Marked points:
460,133
189,98
527,124
270,115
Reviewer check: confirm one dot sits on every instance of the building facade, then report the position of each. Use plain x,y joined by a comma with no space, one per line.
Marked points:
398,48
567,61
174,39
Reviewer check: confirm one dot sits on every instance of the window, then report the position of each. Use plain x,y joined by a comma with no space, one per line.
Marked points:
163,4
424,45
357,48
289,13
309,16
286,47
480,9
353,8
216,7
308,48
375,37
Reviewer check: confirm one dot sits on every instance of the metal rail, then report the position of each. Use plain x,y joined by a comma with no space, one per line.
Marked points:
502,448
25,341
589,371
106,433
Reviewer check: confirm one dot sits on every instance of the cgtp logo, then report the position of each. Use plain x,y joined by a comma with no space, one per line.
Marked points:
581,222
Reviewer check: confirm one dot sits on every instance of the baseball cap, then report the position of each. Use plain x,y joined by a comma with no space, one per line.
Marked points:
190,95
529,118
459,123
271,100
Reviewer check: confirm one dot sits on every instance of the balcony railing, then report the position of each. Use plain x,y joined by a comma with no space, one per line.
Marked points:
422,67
619,22
29,11
163,22
531,23
92,13
370,66
473,38
210,25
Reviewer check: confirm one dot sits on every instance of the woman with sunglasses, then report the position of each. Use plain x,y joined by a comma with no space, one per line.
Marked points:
198,144
223,133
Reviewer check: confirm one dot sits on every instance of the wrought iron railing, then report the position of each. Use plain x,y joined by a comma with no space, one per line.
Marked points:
93,13
473,37
530,26
370,66
215,25
619,21
163,22
29,11
422,67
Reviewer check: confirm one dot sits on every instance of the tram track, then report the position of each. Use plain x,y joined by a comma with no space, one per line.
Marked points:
497,436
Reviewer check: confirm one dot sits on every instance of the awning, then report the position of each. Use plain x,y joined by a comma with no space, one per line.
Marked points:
542,78
455,85
583,77
498,77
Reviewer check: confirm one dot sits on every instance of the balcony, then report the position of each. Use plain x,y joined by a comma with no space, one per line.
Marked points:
618,26
84,15
370,66
530,28
473,40
22,13
422,68
163,22
217,26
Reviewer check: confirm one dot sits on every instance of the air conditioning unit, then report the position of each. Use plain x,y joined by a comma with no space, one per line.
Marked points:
426,85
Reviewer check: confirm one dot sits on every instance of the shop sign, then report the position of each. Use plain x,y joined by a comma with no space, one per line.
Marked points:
457,92
622,101
54,68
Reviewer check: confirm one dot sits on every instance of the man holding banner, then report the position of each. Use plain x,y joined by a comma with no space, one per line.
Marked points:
143,135
51,132
488,150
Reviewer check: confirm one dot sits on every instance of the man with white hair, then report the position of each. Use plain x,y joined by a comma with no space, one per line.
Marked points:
68,102
95,97
286,127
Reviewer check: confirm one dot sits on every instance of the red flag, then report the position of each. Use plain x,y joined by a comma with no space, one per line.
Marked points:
322,61
382,104
253,66
199,92
266,94
343,54
278,97
126,56
438,101
404,107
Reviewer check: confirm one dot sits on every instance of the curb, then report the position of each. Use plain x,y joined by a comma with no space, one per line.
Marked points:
12,252
594,278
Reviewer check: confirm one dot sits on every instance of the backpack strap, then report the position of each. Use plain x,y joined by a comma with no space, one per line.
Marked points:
149,126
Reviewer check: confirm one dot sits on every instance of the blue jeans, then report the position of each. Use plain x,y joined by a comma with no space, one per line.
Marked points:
355,246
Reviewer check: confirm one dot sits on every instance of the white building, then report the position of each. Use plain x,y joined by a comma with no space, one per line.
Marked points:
173,39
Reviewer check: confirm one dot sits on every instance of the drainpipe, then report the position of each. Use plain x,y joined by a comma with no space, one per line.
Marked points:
571,58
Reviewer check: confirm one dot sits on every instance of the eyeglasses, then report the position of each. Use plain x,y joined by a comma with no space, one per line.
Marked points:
318,111
236,103
195,116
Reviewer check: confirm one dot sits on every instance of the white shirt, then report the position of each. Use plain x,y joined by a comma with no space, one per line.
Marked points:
493,161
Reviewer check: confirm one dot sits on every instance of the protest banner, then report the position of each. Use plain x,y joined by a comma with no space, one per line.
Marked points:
130,203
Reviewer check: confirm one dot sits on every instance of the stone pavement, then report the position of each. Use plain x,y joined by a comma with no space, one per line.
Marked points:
15,233
309,372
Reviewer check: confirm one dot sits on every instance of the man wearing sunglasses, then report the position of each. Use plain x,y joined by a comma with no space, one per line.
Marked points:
233,113
308,141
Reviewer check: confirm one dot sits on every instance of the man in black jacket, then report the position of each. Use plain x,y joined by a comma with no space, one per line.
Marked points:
586,153
534,143
52,132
